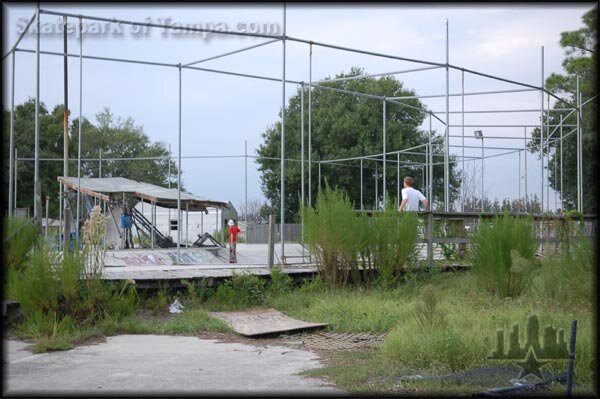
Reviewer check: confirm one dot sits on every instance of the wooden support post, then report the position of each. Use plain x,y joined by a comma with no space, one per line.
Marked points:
430,240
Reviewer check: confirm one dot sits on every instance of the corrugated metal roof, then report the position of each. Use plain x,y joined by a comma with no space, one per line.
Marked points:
105,186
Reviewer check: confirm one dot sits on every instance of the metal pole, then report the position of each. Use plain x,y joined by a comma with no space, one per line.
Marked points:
179,175
519,175
384,152
548,153
572,342
542,131
282,190
482,165
80,124
153,220
525,165
580,155
302,146
398,180
578,152
60,215
245,182
11,145
309,124
66,104
361,185
187,225
37,208
169,183
446,139
46,227
462,122
430,164
376,187
16,174
319,163
562,200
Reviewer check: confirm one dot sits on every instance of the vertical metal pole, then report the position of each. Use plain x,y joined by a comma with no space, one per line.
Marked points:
153,221
67,210
548,153
462,125
310,124
376,188
60,215
100,164
361,185
217,227
519,176
525,165
11,146
302,145
426,173
282,190
562,200
169,183
482,170
187,225
447,136
580,155
578,152
46,227
542,131
37,207
245,182
201,222
397,180
80,124
179,175
319,163
572,342
430,164
16,174
384,152
301,166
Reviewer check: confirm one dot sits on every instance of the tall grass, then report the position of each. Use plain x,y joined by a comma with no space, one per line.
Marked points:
20,236
502,255
394,239
331,233
57,296
568,277
346,245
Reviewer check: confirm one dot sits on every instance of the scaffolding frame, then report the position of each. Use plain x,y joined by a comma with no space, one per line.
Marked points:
322,85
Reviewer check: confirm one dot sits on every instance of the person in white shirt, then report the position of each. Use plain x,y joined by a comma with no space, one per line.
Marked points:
412,197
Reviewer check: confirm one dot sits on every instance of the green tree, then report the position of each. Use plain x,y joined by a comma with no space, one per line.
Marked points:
345,126
119,136
581,59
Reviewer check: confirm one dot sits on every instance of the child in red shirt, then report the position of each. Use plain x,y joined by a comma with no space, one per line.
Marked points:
233,232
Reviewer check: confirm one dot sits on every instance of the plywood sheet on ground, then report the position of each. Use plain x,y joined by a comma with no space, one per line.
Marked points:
261,322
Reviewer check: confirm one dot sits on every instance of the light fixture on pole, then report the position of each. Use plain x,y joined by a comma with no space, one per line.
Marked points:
479,135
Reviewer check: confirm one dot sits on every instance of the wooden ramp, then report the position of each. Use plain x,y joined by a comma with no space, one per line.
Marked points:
254,323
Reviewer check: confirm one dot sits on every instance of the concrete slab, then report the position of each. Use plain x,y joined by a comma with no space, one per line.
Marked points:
258,322
153,364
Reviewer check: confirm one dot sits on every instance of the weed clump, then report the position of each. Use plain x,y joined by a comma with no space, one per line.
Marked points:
502,255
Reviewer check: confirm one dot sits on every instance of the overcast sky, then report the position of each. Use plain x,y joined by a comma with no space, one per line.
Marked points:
220,112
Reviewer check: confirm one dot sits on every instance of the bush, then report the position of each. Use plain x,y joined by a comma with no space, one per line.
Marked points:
346,245
20,237
330,231
394,239
502,255
569,277
281,283
241,291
